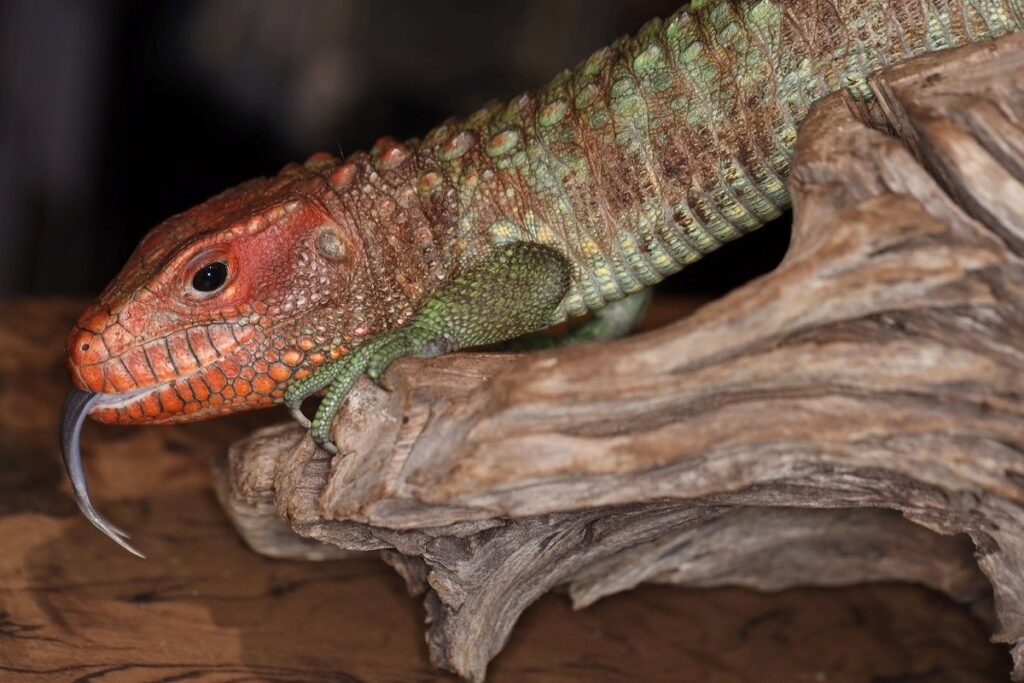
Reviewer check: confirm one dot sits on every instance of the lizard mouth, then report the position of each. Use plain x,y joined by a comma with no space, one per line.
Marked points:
78,405
229,385
144,404
147,404
159,403
182,376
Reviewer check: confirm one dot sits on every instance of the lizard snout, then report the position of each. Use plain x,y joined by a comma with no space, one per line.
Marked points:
86,353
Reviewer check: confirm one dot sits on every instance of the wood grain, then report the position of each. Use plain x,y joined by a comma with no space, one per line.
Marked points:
854,415
73,607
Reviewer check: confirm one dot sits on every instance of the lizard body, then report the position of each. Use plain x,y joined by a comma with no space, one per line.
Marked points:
650,154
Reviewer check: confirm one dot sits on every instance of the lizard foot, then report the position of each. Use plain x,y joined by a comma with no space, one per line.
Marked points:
338,377
515,291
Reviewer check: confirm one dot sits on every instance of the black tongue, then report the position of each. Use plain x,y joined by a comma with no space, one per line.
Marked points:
76,407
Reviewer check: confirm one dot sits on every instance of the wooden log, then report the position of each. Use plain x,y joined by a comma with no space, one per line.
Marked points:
205,608
848,417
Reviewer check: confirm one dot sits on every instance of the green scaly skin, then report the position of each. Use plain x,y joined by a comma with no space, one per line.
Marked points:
567,200
519,287
649,155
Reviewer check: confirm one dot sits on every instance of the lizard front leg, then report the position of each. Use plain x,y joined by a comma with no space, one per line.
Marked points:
514,292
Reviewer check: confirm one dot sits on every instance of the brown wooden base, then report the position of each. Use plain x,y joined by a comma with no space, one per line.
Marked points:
206,608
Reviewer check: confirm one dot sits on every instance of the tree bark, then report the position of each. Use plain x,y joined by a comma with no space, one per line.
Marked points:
855,415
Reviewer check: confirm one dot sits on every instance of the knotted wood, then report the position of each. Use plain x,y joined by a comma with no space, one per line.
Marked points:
855,415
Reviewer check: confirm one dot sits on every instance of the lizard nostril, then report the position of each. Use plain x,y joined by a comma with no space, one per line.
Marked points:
86,348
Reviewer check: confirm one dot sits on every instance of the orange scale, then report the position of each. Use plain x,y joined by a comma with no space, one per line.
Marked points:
133,412
199,388
160,361
201,347
342,176
171,402
230,367
117,375
263,384
393,156
280,372
185,391
317,158
93,376
215,380
180,352
151,406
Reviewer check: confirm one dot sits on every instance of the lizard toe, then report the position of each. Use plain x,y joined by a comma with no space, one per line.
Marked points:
300,417
395,347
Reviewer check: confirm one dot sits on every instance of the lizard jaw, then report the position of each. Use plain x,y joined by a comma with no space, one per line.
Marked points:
118,408
118,403
80,404
108,407
207,392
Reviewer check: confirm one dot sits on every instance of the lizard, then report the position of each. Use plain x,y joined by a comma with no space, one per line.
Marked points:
570,199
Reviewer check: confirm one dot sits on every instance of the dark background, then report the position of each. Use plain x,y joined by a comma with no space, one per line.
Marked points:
116,115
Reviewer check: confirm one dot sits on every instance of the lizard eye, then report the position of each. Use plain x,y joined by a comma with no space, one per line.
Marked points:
210,277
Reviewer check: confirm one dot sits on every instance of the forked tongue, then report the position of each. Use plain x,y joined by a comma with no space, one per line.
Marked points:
76,407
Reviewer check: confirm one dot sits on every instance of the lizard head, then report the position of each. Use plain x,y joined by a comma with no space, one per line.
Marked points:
221,306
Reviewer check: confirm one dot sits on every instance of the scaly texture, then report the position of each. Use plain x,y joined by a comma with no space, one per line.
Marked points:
650,154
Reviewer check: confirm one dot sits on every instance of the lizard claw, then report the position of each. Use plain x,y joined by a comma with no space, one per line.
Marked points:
300,417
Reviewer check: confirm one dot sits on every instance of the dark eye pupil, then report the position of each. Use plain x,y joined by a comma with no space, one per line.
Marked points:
210,277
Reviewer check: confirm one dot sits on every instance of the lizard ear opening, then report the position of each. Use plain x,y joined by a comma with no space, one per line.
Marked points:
330,245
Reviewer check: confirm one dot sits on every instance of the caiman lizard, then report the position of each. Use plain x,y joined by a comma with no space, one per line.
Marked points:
573,198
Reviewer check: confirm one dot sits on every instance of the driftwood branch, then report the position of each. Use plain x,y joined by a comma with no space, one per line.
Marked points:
855,415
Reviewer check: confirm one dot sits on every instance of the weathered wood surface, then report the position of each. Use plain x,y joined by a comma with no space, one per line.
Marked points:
848,417
205,608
